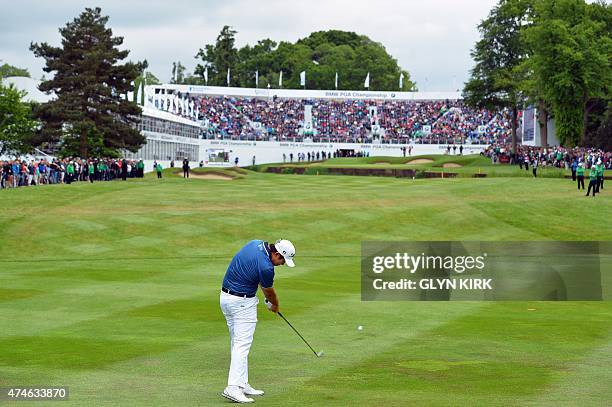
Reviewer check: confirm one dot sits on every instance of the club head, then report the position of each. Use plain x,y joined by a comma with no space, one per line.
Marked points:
320,353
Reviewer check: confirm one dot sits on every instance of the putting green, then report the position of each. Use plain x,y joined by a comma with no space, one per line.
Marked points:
112,289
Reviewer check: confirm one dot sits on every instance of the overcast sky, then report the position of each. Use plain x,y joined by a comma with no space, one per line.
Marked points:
431,39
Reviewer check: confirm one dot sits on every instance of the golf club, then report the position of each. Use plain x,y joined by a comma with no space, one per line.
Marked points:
319,354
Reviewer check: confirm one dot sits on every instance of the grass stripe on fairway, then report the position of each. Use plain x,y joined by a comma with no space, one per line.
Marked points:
112,289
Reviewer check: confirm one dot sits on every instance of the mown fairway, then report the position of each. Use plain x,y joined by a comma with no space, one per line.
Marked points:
112,289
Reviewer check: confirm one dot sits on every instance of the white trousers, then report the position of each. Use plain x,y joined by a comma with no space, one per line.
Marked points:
241,316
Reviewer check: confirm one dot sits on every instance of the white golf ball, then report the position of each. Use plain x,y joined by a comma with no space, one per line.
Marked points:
360,328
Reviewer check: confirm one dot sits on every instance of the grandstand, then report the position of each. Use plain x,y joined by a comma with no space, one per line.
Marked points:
205,123
216,125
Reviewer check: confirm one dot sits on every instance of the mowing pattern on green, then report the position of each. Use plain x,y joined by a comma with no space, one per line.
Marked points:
463,166
112,289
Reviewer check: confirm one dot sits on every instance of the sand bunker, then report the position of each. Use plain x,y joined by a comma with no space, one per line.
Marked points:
452,165
420,161
210,176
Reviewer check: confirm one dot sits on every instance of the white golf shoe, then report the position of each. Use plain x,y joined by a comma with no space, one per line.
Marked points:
235,394
249,391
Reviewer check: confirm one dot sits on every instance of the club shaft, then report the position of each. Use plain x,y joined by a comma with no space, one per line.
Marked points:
296,331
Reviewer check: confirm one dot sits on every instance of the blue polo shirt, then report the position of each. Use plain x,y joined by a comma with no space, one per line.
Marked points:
250,267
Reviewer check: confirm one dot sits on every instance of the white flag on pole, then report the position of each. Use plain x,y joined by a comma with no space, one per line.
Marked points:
228,76
139,94
206,75
366,84
256,79
280,79
336,80
303,78
401,81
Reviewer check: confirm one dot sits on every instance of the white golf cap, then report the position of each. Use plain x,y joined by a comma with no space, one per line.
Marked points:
286,249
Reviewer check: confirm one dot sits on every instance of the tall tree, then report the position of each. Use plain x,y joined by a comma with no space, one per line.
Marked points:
572,45
494,80
89,117
151,79
321,54
17,125
219,58
7,70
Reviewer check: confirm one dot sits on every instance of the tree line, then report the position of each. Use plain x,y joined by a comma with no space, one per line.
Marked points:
331,59
91,116
554,55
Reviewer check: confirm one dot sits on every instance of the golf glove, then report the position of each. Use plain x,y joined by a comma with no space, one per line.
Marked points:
268,303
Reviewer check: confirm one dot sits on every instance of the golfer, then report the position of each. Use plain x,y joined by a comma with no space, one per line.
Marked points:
251,267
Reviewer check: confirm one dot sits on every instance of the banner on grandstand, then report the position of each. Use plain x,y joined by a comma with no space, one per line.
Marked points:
529,124
308,129
427,129
306,94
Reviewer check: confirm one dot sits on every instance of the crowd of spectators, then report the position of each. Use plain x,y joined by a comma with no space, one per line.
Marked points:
559,157
22,173
348,120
